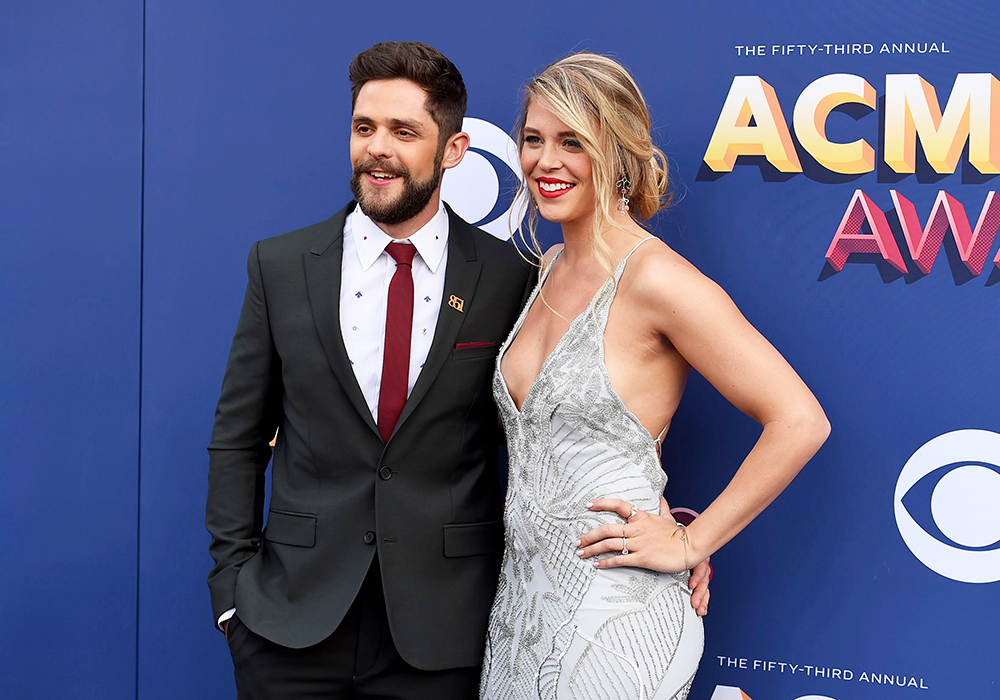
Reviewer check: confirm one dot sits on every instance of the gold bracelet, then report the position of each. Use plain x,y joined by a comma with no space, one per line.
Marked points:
684,542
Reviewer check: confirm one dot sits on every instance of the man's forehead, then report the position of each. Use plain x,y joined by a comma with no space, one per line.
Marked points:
392,99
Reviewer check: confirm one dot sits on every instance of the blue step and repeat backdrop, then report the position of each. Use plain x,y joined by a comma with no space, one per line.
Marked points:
834,165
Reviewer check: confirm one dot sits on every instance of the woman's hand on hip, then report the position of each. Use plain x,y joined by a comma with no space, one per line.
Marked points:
645,540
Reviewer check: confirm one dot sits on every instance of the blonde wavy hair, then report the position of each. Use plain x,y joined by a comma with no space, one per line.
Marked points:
599,100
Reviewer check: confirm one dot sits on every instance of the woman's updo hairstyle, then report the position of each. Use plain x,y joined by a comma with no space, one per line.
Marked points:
597,98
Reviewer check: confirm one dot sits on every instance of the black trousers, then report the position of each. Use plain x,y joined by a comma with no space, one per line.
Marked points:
359,660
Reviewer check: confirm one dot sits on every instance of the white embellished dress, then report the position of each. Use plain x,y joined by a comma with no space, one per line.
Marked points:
560,629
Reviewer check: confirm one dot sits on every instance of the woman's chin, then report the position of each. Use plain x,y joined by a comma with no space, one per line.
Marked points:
550,211
560,215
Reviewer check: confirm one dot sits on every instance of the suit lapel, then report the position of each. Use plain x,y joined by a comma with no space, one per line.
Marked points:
322,270
461,277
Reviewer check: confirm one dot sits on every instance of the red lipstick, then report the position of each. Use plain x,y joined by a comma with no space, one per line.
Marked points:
557,188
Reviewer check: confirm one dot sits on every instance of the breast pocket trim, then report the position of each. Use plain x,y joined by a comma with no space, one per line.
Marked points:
475,351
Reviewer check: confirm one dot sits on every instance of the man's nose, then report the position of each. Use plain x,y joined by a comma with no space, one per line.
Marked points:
380,145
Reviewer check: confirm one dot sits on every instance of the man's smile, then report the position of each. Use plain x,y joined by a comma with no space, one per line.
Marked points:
380,178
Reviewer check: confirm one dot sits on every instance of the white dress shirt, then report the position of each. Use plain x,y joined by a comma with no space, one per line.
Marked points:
365,273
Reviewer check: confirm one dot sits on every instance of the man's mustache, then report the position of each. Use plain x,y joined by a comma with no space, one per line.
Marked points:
375,164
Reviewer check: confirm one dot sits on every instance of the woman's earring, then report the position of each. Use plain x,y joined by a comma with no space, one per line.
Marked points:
624,187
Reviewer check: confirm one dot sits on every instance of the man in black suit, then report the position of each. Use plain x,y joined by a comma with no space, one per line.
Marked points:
368,342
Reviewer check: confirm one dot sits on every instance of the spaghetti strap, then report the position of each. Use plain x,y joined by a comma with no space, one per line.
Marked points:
647,238
658,442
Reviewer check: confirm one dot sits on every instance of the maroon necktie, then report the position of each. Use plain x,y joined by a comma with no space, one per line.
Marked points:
398,331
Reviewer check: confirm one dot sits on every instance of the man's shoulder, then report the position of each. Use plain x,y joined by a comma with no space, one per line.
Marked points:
492,251
493,247
513,263
315,237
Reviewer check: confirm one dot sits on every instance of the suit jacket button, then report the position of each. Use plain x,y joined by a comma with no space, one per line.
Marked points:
385,473
369,537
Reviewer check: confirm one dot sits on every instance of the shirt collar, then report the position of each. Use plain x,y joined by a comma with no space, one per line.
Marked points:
430,240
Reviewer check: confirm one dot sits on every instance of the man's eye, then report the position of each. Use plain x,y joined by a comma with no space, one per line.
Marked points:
362,129
404,134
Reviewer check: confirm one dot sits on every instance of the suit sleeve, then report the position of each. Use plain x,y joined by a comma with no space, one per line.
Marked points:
533,272
245,422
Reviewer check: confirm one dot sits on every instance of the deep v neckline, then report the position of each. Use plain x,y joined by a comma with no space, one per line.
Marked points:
572,325
552,352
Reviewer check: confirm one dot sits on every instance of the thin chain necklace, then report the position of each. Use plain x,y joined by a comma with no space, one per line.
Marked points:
549,307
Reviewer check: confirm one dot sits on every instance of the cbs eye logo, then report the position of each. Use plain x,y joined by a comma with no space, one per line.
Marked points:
473,187
947,505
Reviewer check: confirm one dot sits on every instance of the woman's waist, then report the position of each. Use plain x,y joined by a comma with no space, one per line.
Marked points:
568,509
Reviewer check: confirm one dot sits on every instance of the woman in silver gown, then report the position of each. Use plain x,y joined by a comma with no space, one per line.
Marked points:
592,600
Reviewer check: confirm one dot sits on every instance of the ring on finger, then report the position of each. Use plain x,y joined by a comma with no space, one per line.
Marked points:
635,509
624,546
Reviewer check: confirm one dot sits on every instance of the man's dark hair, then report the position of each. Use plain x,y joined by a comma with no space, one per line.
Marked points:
423,65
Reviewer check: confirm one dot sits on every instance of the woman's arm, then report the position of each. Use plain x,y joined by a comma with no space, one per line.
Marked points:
703,324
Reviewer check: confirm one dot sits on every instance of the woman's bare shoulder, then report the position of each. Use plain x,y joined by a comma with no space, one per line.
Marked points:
661,274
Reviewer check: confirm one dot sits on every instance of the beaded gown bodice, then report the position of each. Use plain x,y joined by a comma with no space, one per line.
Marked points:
559,627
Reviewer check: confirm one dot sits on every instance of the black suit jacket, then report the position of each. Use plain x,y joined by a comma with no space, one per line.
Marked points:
428,500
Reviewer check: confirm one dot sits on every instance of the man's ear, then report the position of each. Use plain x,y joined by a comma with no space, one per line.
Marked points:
454,150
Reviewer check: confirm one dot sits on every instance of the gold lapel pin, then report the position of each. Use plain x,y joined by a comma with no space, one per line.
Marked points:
456,303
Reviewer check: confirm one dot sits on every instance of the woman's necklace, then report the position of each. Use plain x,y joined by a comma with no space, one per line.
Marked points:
541,294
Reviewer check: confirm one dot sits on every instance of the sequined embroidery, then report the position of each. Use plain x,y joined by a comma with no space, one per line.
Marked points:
559,628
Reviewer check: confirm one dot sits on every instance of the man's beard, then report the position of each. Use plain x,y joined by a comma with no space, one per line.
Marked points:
408,204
